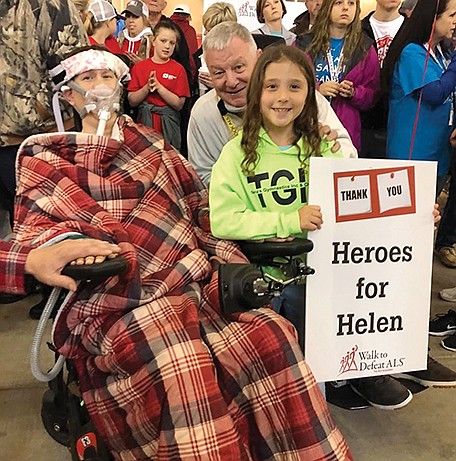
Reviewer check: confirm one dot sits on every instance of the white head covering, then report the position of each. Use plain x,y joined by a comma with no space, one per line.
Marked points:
85,61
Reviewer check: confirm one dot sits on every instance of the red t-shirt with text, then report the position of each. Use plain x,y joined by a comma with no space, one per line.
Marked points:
170,74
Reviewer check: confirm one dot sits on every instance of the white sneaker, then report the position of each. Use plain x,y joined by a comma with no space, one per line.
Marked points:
448,294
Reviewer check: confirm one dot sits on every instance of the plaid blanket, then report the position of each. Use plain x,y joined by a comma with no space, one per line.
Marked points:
163,375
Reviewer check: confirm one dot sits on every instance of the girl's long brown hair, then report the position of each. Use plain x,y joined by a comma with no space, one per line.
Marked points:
320,30
304,126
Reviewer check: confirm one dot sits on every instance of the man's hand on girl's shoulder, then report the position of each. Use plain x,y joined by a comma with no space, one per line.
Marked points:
329,136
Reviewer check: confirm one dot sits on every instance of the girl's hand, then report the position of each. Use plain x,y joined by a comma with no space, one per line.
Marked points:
154,84
310,217
347,90
330,89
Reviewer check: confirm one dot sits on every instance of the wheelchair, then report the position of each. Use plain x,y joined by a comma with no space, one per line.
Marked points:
241,287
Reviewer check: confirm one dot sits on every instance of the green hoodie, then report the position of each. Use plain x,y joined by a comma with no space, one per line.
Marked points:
265,205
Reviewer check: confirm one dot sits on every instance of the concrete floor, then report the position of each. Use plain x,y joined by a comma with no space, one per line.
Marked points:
422,431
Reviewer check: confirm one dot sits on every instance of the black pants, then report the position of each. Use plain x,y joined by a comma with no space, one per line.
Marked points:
8,179
446,235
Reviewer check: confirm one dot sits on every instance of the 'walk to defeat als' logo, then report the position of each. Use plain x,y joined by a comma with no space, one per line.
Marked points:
375,193
372,360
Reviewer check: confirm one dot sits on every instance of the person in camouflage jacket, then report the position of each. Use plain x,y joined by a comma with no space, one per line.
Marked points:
31,33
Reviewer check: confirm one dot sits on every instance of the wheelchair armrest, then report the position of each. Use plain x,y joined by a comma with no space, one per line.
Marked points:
259,251
97,272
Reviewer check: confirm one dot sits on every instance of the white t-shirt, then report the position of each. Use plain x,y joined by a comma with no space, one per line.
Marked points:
384,32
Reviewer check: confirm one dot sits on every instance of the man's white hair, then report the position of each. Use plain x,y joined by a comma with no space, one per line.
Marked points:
221,35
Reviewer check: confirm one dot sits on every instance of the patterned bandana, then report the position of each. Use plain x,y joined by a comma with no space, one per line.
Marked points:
85,61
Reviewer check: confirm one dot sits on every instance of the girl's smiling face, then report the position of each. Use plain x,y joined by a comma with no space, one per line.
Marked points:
283,97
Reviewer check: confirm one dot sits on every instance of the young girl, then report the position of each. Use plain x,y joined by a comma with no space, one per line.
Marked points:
345,61
259,183
100,24
136,39
159,86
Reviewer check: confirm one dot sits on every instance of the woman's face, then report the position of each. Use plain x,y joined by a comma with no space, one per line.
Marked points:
272,11
343,12
87,81
112,24
446,22
134,24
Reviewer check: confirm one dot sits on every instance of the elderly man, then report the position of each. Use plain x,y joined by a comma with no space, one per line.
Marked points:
216,117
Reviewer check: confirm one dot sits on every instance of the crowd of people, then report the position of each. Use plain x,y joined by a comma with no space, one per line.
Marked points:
134,90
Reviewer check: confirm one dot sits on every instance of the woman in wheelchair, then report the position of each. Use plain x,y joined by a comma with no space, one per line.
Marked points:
162,373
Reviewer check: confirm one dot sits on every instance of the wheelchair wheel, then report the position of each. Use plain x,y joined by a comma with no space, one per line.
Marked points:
55,418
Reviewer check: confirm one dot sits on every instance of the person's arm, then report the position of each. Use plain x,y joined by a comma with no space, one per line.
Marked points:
59,28
12,268
135,98
137,90
327,116
202,141
46,263
437,92
173,100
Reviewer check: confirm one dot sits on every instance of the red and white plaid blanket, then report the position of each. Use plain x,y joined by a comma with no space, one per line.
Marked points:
163,375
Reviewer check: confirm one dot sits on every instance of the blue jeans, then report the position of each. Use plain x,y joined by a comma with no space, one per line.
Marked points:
291,304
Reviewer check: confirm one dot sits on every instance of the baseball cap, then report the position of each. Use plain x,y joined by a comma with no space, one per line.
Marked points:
102,10
182,9
136,8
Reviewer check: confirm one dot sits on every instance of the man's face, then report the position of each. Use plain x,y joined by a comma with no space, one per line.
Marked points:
313,6
389,5
231,69
155,6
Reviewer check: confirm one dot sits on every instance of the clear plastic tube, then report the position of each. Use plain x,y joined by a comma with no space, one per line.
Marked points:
36,343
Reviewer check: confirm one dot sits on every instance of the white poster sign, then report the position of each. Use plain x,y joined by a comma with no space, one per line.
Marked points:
367,305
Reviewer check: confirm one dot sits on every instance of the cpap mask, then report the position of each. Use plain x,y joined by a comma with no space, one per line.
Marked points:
101,99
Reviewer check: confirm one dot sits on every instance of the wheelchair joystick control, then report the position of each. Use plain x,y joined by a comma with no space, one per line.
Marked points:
248,286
